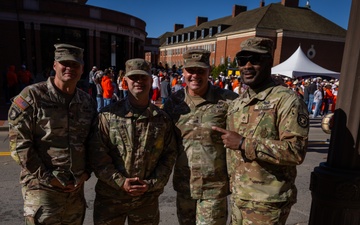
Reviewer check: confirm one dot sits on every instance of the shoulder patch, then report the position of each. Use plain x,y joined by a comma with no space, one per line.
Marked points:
303,120
20,102
14,112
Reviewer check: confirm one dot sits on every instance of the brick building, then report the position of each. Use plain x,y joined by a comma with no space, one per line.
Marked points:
30,28
287,24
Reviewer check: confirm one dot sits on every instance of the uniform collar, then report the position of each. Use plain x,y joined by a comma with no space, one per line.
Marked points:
130,111
259,93
210,95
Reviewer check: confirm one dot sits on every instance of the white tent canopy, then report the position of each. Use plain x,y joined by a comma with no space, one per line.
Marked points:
298,65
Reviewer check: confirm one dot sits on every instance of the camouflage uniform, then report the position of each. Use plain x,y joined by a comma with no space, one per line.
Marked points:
131,144
47,136
200,171
275,124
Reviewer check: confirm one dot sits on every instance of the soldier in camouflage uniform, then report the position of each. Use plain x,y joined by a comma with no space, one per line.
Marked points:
49,126
133,152
268,133
200,176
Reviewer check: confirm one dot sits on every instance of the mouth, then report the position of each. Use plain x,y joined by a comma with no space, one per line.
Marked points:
248,73
139,87
195,81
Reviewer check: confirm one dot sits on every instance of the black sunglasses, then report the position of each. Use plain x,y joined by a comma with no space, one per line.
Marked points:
253,59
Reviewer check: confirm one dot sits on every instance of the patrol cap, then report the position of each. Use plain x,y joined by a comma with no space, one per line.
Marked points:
137,66
258,45
196,58
66,52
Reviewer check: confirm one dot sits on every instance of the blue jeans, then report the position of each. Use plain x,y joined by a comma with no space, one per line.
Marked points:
100,103
125,92
310,103
163,100
317,108
107,101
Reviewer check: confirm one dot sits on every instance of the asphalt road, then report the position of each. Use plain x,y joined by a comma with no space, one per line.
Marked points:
11,200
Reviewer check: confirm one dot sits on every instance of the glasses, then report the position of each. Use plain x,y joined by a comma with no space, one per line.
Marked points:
253,59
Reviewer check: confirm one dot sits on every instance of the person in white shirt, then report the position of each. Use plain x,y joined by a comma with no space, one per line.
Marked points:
318,97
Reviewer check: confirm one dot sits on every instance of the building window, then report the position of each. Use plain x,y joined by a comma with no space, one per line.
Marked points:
202,33
195,35
222,60
219,29
210,32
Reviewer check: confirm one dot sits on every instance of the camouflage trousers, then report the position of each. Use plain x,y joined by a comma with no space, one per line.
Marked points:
137,210
46,206
259,213
201,211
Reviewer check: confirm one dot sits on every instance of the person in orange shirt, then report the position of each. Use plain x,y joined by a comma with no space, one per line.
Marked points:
108,88
235,83
174,80
218,82
335,92
125,87
328,97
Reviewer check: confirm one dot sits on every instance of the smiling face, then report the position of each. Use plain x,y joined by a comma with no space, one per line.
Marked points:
196,79
255,68
139,85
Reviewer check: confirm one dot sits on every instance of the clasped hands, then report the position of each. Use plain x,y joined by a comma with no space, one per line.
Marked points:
135,186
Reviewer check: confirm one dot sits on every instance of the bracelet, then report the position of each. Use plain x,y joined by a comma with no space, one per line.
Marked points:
241,142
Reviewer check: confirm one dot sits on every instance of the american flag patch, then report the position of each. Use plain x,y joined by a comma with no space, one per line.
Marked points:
21,103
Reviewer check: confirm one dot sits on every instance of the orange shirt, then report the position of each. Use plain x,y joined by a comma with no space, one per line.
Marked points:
235,84
174,81
124,84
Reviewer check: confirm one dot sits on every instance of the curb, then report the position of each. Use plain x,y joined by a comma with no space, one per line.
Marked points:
3,128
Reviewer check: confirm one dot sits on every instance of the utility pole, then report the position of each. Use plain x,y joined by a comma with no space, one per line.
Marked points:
335,184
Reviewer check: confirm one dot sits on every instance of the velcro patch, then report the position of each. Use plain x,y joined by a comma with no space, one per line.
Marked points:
303,120
21,103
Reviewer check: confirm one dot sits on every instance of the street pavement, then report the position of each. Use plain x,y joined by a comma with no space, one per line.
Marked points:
11,200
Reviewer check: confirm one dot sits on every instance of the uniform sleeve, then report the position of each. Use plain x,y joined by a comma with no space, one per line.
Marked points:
99,154
292,126
161,174
21,137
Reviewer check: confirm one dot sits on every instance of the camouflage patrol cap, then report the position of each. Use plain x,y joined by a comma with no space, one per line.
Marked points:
66,52
258,45
196,58
137,67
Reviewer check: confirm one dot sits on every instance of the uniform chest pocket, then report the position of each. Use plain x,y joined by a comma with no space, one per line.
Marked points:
262,120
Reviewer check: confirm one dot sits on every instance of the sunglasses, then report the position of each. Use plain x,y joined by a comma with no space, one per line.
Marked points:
253,59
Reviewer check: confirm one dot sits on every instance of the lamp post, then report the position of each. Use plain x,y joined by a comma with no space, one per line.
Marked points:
335,184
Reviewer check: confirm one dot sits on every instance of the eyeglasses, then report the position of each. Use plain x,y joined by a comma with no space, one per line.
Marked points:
253,59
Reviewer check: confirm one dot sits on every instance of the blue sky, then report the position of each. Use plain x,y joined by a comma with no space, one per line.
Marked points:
160,15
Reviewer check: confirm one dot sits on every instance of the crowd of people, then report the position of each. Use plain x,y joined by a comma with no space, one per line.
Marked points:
223,136
16,80
319,94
